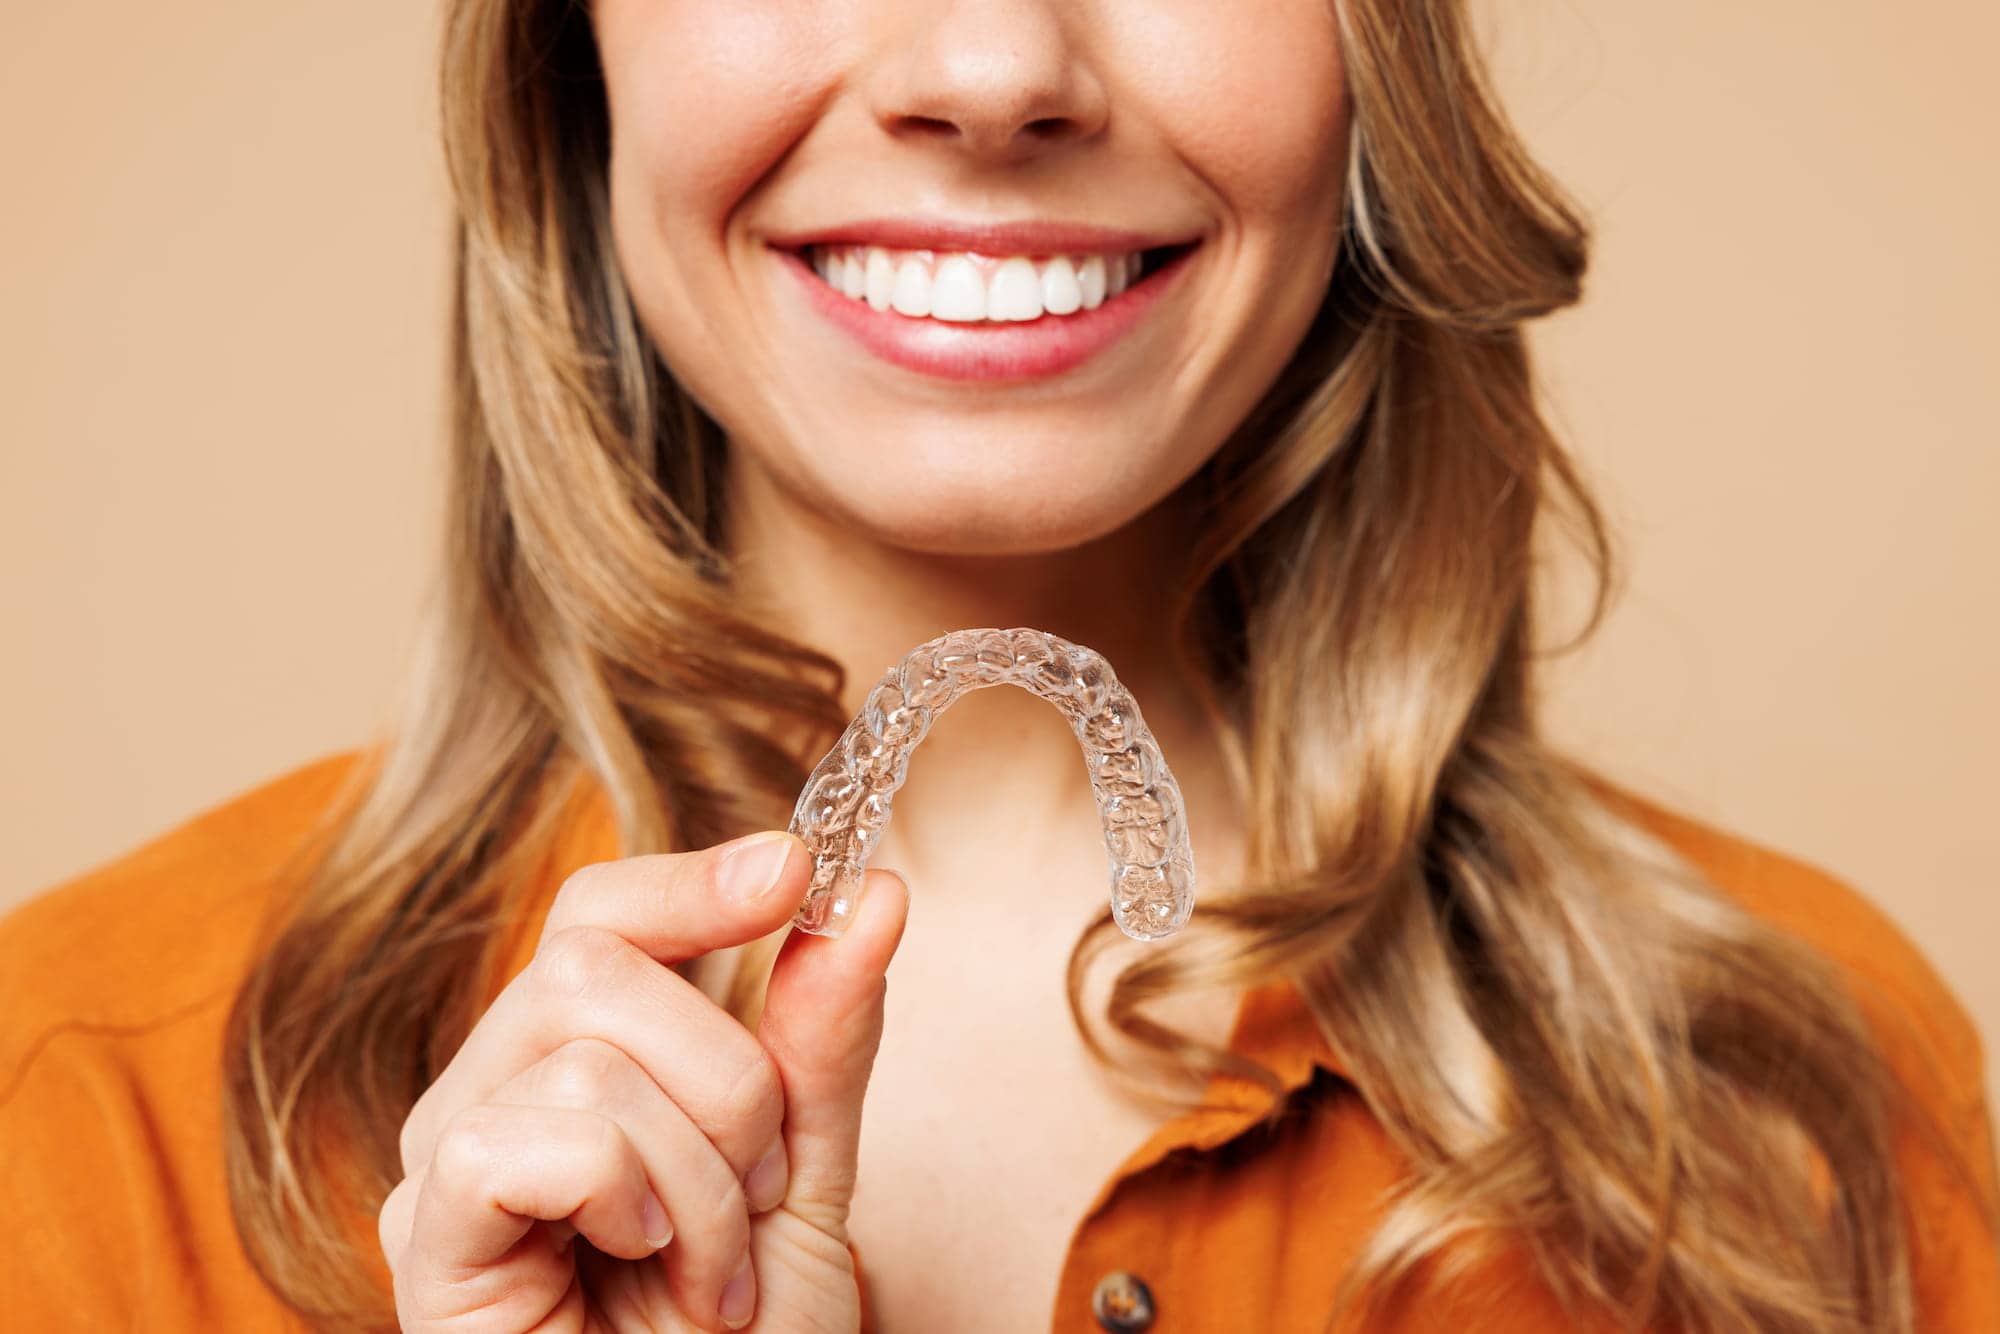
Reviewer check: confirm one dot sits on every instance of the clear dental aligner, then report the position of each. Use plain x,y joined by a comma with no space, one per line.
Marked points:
844,805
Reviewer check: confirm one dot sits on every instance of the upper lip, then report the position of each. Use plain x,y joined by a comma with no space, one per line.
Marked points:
1036,237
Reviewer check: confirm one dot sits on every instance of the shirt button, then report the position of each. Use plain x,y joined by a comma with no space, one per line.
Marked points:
1122,1302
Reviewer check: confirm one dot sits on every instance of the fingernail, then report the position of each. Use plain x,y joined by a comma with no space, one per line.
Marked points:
752,866
765,1185
658,1230
739,1295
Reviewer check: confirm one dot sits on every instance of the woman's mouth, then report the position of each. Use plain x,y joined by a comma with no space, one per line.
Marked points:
961,315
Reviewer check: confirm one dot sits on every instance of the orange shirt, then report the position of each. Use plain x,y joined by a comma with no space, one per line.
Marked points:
114,987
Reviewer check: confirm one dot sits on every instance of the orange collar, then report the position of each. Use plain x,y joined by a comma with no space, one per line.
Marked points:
1275,1028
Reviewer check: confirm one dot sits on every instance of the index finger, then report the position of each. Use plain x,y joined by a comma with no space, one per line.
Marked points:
677,905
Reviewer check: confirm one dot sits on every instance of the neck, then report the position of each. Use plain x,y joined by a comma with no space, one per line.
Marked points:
1001,770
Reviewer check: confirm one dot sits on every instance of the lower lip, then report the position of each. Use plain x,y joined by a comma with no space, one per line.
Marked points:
1010,350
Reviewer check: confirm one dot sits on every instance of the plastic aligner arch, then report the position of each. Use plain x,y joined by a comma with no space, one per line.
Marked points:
845,804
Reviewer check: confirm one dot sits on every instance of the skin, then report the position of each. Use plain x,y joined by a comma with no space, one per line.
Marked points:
872,507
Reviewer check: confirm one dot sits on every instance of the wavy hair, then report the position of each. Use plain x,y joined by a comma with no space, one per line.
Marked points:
1584,1050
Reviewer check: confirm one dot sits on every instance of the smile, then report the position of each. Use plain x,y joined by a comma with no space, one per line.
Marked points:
964,315
966,288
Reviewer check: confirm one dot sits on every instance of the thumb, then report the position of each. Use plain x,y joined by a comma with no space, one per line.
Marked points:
821,1024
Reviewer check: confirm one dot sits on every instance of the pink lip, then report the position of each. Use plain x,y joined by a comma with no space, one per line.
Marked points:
1015,350
1027,237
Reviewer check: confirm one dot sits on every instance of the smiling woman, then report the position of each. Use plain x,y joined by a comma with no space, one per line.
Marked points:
938,145
788,336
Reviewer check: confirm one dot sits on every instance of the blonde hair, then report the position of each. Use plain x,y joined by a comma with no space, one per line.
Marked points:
1583,1050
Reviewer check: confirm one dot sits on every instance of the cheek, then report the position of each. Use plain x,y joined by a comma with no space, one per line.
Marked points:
706,97
1252,95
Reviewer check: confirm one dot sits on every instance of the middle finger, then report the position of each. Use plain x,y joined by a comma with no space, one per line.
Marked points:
590,982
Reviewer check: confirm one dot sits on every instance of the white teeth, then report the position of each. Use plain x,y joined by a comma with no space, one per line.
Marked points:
1090,278
1016,293
881,278
912,293
853,277
966,289
1060,294
956,292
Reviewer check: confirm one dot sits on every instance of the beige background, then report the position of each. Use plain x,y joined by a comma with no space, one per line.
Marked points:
221,315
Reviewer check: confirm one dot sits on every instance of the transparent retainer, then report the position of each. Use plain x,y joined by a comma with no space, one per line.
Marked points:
845,804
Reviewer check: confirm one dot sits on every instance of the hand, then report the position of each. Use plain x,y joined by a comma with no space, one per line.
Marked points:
604,1095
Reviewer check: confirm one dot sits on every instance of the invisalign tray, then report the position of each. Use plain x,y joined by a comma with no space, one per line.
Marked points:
844,805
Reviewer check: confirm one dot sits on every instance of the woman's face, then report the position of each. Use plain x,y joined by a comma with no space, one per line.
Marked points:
1033,408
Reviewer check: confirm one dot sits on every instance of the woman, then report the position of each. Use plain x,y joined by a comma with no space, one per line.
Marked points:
785,339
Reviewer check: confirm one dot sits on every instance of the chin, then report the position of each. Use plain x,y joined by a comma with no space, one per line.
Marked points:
1013,521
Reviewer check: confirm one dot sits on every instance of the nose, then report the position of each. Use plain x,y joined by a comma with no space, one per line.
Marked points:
1003,80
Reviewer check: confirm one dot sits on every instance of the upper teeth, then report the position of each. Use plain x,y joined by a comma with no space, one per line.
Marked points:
969,287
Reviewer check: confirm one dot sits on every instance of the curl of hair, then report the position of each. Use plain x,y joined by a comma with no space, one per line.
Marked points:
1586,1052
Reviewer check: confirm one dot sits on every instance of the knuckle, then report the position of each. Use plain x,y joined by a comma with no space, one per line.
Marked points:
414,1142
573,961
826,1191
583,1072
610,1147
755,1100
469,1147
578,887
410,1142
